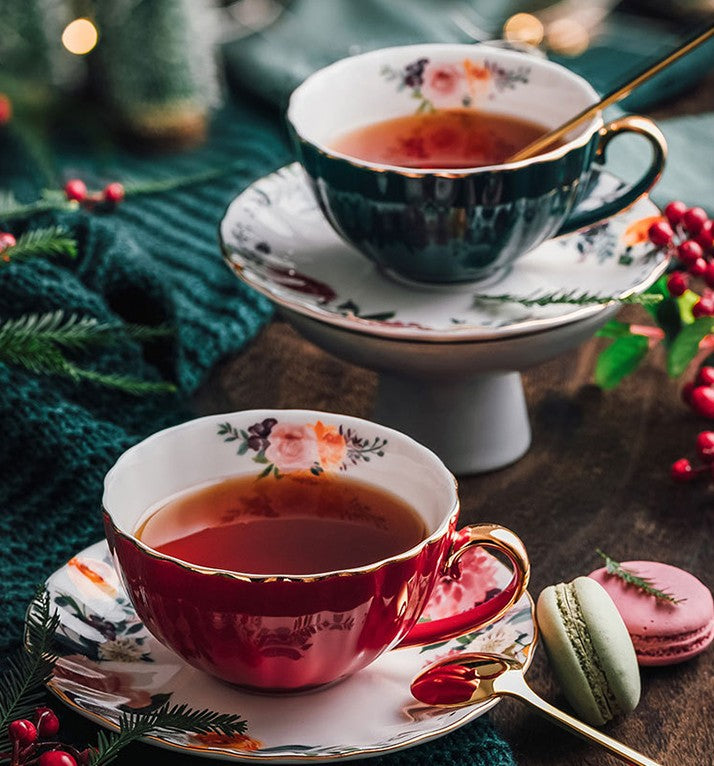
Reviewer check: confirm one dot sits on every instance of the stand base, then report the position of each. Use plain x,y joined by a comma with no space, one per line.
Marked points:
474,425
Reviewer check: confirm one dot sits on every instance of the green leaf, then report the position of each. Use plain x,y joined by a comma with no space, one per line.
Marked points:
620,359
658,289
686,302
613,329
686,345
266,471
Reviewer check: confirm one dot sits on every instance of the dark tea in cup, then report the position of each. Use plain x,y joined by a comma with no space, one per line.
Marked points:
444,138
297,525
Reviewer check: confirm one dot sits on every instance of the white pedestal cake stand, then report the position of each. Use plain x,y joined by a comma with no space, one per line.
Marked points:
464,401
448,356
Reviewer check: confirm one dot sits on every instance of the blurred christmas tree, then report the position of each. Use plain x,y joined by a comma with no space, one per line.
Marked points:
149,63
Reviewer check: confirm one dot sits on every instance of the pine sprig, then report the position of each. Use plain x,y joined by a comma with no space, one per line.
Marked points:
54,240
572,297
642,583
22,683
22,689
135,726
35,342
12,209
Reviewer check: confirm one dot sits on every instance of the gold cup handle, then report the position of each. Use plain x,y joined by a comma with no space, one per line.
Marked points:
632,123
493,537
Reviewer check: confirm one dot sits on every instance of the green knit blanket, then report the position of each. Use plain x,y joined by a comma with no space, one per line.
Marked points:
155,260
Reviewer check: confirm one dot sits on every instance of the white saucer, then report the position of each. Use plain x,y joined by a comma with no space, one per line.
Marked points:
110,663
276,239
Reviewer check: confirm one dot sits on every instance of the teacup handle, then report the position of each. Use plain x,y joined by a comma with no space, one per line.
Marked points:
490,536
579,219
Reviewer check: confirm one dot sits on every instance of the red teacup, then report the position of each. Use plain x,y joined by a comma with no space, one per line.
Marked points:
294,632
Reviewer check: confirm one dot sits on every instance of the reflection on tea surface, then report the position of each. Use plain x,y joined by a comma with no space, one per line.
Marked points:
294,524
445,138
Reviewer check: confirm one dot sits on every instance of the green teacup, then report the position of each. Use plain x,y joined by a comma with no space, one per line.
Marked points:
455,225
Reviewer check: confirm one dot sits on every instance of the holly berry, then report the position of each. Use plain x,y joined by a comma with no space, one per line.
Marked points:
5,109
702,401
22,731
693,219
674,212
76,189
705,236
705,446
682,471
704,307
677,283
705,376
47,722
6,240
56,758
689,252
709,274
114,193
660,233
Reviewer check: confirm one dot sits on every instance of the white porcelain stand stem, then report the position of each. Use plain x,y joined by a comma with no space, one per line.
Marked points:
474,424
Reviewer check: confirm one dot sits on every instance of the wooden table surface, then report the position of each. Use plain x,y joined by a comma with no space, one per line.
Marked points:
597,475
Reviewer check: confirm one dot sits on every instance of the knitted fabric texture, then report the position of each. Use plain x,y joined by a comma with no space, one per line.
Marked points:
155,260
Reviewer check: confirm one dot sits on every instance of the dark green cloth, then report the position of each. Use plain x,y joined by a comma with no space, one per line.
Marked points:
156,260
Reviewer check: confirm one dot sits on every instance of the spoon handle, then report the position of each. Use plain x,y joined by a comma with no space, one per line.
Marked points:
513,684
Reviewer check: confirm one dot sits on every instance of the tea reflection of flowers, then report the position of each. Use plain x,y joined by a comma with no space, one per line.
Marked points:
331,445
292,447
120,650
75,673
232,742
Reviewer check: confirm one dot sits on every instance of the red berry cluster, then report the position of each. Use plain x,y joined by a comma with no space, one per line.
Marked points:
76,189
699,393
683,471
690,234
33,743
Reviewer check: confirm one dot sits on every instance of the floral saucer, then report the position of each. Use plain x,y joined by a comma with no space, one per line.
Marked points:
275,238
109,664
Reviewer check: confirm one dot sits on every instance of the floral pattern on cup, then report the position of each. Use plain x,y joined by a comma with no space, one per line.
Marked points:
436,85
292,448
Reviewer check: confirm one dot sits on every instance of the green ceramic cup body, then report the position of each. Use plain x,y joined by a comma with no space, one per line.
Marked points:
453,225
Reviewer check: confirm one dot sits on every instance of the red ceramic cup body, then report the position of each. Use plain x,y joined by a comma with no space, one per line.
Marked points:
278,632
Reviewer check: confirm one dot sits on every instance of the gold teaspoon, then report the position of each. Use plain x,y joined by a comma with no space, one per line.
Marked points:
472,677
624,90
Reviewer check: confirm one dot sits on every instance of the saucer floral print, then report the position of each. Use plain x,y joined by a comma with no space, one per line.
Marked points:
289,447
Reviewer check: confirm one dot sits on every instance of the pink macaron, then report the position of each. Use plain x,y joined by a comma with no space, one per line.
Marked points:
662,633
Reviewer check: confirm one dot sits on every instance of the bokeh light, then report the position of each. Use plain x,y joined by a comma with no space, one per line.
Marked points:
523,28
80,36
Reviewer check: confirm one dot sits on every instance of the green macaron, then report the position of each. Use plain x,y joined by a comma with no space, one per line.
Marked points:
590,649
